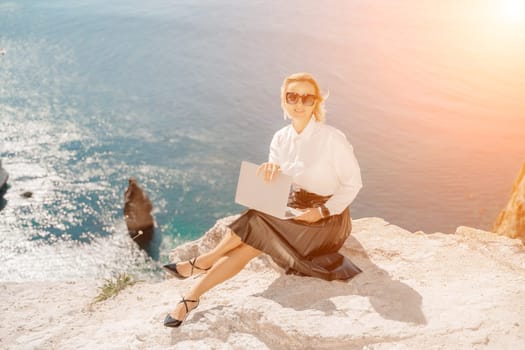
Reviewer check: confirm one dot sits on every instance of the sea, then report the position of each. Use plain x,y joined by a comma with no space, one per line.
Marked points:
431,94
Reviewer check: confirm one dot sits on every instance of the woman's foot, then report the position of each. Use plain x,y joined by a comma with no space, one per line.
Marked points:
185,269
181,311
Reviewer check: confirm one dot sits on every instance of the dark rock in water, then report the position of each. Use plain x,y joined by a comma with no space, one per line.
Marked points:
4,176
137,212
3,201
27,194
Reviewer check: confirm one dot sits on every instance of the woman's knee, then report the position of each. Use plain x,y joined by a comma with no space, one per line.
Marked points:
232,235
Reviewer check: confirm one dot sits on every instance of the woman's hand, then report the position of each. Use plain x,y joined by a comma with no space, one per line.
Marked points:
310,215
269,170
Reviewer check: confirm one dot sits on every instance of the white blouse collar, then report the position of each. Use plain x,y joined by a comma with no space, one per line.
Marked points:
307,131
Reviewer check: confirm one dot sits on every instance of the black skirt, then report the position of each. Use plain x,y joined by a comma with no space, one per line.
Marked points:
305,249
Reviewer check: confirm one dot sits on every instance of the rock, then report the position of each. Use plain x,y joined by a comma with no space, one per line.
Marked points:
4,176
416,291
511,220
137,212
27,194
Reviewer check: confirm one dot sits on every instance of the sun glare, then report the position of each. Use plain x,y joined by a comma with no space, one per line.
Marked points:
513,10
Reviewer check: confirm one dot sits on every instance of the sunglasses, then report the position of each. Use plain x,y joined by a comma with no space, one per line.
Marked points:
307,100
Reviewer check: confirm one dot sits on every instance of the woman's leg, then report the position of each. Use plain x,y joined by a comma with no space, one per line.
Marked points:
229,241
226,267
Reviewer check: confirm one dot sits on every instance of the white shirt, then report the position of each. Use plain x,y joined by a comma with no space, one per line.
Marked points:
320,160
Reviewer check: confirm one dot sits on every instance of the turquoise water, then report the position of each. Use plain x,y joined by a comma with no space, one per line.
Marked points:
177,93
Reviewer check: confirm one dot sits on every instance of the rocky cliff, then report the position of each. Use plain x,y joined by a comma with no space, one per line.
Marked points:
511,220
417,291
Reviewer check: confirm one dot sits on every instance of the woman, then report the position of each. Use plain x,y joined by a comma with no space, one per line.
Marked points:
326,178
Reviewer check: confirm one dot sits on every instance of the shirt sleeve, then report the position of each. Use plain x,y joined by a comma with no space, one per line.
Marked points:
348,173
274,156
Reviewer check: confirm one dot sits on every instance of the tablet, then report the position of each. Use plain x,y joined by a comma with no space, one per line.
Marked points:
268,197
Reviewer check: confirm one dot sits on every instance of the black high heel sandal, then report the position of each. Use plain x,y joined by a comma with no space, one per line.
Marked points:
172,269
172,322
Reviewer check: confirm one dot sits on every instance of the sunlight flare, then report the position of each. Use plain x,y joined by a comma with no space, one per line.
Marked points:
513,10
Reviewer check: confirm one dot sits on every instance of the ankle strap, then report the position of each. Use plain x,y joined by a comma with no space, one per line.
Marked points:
185,301
192,263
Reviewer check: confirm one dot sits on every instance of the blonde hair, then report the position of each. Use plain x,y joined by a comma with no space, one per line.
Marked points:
319,110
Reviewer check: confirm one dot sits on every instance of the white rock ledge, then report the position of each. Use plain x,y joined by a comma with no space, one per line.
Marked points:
417,291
